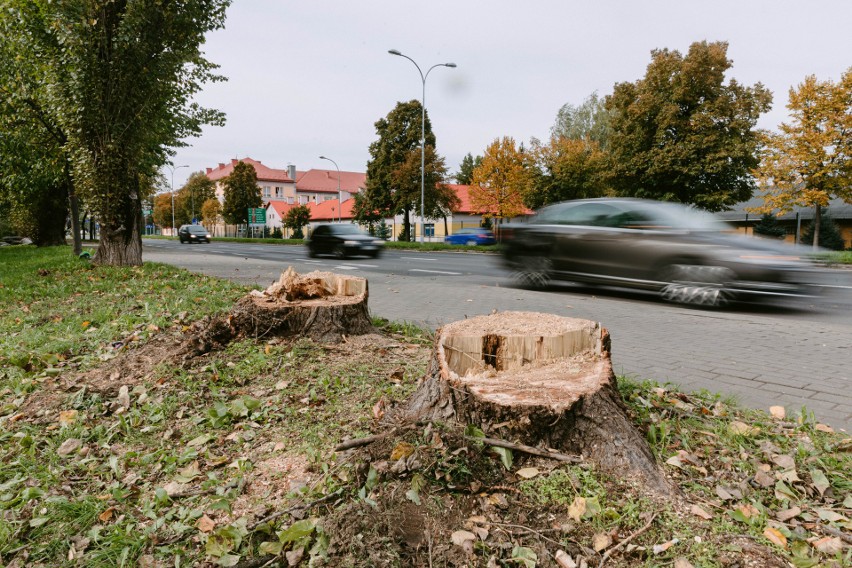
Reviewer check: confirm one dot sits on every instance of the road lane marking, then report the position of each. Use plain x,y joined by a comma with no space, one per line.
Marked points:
435,271
418,259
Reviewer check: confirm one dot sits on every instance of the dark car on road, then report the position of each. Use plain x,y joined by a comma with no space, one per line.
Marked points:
685,255
471,236
343,240
193,234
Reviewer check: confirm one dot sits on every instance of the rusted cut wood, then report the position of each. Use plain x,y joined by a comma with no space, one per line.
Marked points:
539,380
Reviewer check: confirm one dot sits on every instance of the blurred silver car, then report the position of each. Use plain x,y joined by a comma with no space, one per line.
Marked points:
686,255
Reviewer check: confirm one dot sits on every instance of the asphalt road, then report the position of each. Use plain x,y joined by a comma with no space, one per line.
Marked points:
789,353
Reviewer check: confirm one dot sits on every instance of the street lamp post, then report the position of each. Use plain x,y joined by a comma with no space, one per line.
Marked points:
422,136
339,202
173,168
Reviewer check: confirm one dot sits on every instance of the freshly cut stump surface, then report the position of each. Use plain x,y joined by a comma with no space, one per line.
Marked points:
540,380
321,305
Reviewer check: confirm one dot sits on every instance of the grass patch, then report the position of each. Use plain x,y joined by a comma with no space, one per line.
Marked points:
115,451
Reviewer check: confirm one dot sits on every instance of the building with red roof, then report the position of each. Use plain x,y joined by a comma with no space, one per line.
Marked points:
281,190
292,186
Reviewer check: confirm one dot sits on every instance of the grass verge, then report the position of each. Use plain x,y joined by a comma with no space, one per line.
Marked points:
117,450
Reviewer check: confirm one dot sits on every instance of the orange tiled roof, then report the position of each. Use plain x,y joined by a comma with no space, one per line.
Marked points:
326,181
264,173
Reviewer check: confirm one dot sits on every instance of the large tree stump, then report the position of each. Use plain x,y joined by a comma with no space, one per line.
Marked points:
321,305
539,380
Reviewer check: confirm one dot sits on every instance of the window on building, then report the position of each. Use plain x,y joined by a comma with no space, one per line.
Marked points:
429,230
290,200
278,192
303,200
266,192
327,198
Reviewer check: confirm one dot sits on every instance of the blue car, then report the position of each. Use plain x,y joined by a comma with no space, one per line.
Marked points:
471,236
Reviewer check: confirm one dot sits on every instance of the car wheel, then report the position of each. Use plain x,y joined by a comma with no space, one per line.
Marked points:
695,284
376,254
471,243
535,272
340,252
311,252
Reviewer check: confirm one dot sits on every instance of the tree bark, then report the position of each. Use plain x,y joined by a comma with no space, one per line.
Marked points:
321,305
538,379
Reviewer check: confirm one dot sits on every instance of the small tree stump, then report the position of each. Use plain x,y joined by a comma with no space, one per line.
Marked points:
540,380
321,305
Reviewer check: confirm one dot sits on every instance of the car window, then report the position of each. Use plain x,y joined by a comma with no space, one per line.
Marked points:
346,230
320,231
593,214
197,229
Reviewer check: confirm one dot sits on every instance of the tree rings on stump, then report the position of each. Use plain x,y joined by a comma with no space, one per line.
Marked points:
539,380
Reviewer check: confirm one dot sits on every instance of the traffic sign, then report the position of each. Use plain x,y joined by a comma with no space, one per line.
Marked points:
257,216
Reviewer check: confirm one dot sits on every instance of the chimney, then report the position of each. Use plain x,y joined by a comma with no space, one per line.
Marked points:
221,165
234,161
209,170
291,172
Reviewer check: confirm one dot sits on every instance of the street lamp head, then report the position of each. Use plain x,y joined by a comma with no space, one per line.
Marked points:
450,65
394,52
323,158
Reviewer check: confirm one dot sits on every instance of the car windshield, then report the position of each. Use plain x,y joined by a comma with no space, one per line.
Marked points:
197,229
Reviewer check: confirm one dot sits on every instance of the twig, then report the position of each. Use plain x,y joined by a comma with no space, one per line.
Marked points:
626,540
358,442
312,504
527,529
527,449
835,532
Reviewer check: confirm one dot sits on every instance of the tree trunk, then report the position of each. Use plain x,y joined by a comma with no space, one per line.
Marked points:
539,380
74,205
321,305
817,219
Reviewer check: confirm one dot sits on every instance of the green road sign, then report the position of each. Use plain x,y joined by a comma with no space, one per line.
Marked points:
257,216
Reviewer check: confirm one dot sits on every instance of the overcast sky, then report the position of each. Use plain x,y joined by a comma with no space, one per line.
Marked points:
311,77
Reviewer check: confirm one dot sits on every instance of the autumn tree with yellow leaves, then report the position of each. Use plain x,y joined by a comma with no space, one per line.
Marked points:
499,181
809,162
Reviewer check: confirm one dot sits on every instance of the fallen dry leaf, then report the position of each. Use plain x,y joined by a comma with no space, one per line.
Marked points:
741,428
699,512
775,537
784,461
69,446
788,514
67,417
828,545
106,515
577,508
681,562
824,428
528,472
205,524
402,450
600,541
464,539
764,479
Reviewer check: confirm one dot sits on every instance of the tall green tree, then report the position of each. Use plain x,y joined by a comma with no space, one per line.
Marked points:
829,234
241,193
565,168
809,162
390,189
197,189
120,77
297,218
36,183
683,134
590,120
468,164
